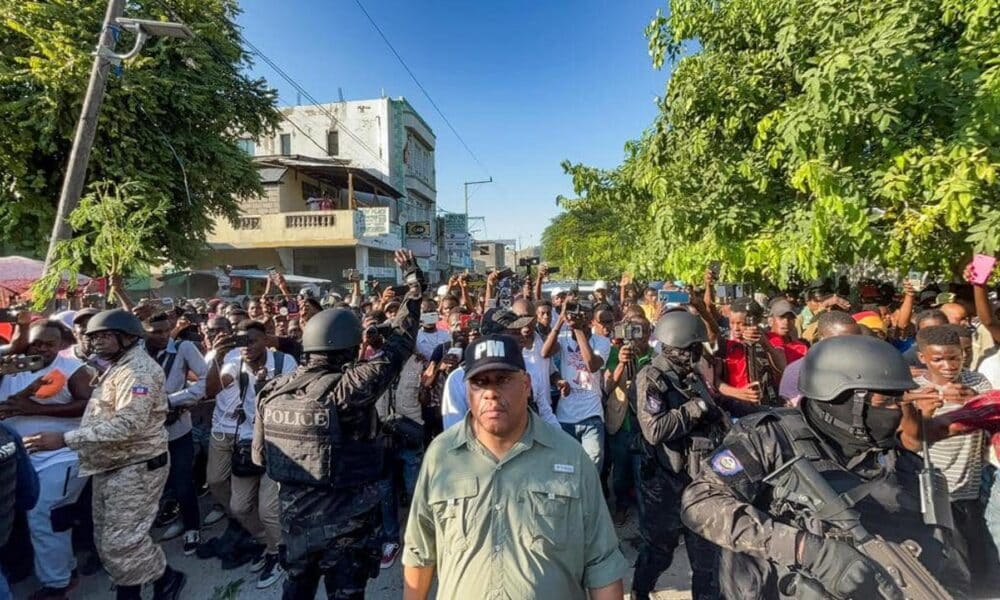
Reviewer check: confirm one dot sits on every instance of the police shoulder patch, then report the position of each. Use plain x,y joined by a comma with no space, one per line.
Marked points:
725,463
653,403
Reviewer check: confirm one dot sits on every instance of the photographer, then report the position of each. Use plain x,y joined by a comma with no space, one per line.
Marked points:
748,343
630,352
581,354
250,496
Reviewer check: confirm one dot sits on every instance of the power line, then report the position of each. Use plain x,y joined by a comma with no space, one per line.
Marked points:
420,85
298,87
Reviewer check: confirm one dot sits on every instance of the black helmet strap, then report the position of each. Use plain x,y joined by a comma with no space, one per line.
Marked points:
857,425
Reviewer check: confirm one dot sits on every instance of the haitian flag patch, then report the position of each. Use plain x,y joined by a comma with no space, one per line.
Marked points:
140,390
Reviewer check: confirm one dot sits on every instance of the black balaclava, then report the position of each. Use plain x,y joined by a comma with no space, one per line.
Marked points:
853,423
683,360
331,362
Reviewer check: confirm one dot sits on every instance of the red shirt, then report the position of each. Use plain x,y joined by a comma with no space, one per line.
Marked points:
794,349
735,361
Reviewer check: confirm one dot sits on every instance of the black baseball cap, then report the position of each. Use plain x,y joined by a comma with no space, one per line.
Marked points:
493,353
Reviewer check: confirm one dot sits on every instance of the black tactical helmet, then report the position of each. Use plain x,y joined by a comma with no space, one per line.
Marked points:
332,329
680,329
119,320
853,362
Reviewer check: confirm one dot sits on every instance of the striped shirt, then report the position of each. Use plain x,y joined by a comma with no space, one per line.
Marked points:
960,458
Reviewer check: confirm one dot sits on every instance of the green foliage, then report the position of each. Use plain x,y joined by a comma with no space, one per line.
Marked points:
800,135
116,223
192,93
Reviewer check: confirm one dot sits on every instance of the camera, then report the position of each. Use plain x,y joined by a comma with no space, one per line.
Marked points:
575,308
553,270
530,261
503,273
629,331
241,340
21,364
351,274
715,267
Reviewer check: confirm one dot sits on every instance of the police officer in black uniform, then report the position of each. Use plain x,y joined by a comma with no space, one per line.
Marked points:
680,425
846,427
317,433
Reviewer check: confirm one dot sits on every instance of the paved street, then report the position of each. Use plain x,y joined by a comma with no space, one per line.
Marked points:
206,581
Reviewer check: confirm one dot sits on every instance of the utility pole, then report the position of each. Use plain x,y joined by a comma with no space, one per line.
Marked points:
467,184
86,129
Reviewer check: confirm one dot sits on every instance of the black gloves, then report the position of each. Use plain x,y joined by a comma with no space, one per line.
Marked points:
843,571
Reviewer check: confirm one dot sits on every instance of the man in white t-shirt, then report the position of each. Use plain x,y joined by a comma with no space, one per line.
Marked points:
51,399
253,500
455,404
581,357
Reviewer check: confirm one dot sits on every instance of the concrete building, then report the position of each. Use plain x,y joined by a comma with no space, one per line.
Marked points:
344,186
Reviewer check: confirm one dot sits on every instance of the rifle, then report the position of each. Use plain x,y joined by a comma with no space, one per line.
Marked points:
799,482
935,503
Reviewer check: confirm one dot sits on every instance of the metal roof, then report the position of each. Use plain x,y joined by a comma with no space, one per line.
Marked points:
334,170
271,174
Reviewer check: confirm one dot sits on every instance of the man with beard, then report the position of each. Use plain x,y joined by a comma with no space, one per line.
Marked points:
680,424
846,425
317,435
122,443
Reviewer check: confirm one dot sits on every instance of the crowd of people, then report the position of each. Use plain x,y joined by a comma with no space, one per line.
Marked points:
498,440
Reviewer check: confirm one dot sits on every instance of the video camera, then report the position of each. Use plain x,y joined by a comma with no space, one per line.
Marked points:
629,331
530,261
21,363
577,308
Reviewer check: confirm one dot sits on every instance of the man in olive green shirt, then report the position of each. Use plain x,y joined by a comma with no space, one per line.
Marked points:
506,506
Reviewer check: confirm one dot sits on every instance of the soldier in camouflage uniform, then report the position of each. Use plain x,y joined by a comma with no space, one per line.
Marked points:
122,443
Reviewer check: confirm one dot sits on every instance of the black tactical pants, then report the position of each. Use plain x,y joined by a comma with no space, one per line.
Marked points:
346,565
661,529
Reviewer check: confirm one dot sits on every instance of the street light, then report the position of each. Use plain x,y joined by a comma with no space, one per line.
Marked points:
143,30
86,127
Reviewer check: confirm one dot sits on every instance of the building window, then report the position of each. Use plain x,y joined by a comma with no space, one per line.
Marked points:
286,144
332,143
246,145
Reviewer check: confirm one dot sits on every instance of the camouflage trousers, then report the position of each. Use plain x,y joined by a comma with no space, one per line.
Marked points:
125,502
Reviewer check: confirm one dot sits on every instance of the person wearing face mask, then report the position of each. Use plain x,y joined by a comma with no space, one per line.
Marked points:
318,435
122,444
851,425
680,423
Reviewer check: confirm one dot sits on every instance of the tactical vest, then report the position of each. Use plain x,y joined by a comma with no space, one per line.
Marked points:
889,505
8,483
304,439
684,455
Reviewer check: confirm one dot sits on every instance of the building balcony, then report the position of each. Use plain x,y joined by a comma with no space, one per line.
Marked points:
322,228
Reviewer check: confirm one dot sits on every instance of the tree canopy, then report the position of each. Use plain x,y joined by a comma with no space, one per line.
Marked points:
168,124
799,135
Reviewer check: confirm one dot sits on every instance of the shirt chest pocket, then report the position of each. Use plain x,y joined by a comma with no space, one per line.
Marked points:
549,506
453,500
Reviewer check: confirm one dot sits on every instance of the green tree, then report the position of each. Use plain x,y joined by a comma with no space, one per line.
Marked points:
799,135
169,121
115,223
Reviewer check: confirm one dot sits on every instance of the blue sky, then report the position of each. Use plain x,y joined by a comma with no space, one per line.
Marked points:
527,84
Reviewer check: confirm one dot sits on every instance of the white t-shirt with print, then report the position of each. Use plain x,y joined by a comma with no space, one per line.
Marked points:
584,399
227,400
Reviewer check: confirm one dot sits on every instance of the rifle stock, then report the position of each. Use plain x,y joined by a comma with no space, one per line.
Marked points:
799,482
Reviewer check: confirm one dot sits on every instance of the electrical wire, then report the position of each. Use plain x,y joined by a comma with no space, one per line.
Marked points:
421,86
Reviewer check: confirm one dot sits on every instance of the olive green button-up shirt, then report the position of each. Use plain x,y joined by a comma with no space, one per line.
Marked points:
531,525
